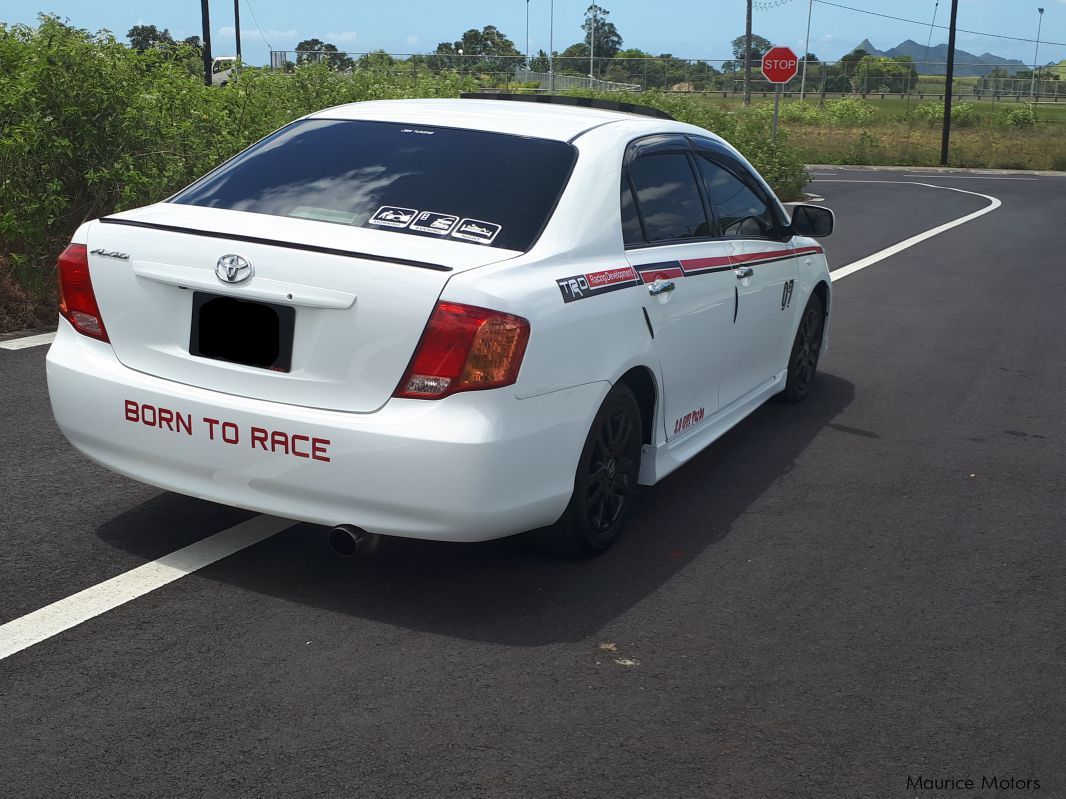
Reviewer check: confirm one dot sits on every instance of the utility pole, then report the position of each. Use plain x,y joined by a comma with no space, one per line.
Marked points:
551,48
592,41
806,49
747,57
1036,55
947,89
205,14
527,35
237,24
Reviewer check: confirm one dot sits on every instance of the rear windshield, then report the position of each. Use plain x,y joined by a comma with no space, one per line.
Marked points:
456,185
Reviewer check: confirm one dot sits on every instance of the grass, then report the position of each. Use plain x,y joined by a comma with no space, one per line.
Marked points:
907,133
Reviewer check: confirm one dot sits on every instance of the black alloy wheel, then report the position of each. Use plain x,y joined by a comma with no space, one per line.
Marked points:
803,361
605,484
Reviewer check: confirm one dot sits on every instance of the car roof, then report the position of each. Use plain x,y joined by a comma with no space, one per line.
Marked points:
540,120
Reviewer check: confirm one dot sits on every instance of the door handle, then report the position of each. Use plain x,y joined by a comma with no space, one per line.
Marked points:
743,272
660,287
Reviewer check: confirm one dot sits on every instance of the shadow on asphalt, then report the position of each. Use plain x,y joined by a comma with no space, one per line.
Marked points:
507,591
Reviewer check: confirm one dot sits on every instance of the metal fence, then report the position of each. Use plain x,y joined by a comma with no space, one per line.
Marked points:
719,76
550,81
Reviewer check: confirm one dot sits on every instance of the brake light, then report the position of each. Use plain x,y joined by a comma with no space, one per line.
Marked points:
77,302
465,348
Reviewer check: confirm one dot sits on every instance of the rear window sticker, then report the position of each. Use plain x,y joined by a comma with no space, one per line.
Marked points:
391,216
476,230
432,222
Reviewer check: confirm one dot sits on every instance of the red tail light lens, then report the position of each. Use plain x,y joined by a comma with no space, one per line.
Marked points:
465,348
77,303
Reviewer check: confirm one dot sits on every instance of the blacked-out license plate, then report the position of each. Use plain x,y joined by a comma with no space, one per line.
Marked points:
242,331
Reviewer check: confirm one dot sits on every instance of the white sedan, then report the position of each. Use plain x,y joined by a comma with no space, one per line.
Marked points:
442,319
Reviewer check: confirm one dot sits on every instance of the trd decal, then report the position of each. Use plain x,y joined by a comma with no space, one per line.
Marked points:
688,420
592,284
786,293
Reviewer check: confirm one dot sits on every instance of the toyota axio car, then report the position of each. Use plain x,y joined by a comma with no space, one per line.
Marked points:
442,319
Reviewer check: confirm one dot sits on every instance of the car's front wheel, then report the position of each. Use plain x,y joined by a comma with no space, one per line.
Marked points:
605,484
807,346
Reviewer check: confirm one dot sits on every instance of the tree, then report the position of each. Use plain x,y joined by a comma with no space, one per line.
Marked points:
759,46
880,74
145,37
540,62
377,60
315,51
600,35
602,39
485,50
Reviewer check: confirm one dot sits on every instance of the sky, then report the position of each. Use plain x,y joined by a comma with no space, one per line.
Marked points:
684,28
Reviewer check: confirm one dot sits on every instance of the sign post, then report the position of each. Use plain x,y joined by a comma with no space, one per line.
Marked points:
779,66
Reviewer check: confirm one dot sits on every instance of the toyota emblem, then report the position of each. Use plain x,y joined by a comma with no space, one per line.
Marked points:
233,269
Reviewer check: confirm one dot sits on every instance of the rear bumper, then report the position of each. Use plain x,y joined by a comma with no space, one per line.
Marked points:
471,467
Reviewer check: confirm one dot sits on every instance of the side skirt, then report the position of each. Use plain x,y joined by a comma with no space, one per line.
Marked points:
657,461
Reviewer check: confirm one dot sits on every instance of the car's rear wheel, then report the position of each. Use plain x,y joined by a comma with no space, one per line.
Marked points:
605,484
803,360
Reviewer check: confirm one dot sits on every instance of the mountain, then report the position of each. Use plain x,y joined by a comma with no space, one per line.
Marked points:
936,58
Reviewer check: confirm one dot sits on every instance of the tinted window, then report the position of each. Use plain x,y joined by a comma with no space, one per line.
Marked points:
740,210
631,232
667,197
457,185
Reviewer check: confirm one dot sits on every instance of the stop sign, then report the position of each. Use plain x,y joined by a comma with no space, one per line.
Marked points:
779,65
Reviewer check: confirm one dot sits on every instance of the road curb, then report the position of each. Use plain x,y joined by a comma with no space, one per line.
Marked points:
933,170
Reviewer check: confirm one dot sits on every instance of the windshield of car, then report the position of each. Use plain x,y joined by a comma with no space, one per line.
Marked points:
457,185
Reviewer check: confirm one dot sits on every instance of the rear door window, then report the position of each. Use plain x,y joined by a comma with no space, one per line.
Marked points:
667,198
453,184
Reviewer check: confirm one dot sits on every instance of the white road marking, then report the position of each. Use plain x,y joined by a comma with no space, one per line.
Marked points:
27,341
900,246
60,616
966,177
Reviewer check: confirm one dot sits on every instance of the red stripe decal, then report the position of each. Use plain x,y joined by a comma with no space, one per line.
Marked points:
758,256
806,250
692,264
667,273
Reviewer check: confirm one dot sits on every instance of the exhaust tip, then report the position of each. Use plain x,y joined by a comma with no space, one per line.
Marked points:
347,540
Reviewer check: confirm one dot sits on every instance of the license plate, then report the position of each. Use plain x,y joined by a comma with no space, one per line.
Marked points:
242,331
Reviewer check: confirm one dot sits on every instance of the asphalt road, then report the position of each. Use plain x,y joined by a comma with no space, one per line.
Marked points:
833,598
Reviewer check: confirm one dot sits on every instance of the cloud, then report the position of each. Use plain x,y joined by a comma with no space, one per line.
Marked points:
411,41
337,38
274,37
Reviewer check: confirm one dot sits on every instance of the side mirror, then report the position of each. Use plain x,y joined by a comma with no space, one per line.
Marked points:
811,220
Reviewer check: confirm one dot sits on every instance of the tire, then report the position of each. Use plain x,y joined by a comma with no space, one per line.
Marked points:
803,359
605,484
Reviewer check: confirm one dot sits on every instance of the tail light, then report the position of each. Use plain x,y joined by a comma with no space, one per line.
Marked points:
77,303
465,348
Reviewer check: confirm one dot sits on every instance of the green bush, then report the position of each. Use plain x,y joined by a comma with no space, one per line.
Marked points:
848,111
1020,117
963,115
